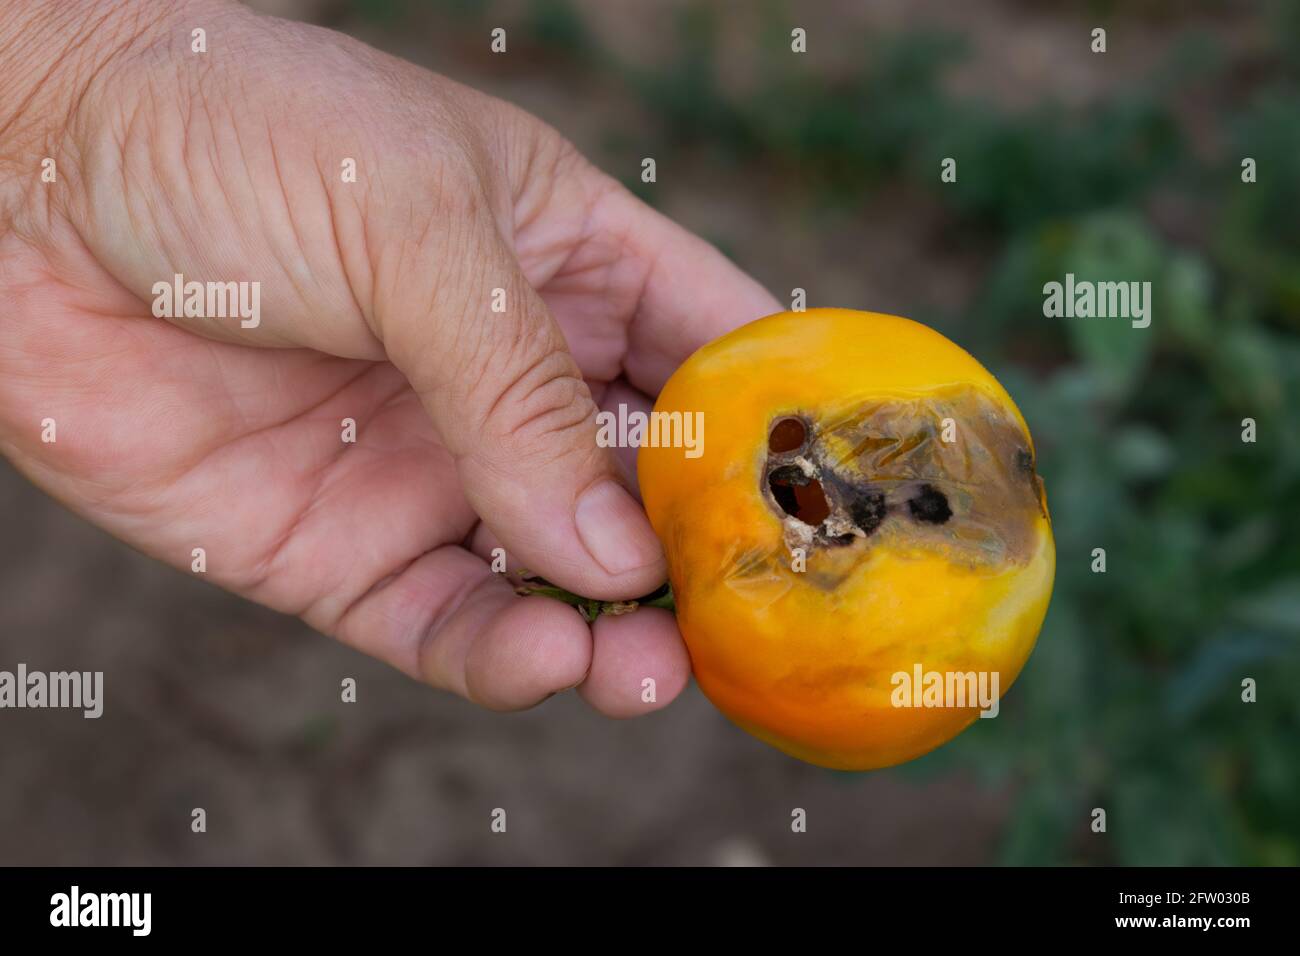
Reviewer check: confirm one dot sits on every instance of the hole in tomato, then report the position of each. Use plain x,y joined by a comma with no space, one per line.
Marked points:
799,496
789,434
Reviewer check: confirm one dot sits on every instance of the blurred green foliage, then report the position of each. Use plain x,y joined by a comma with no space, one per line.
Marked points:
1132,699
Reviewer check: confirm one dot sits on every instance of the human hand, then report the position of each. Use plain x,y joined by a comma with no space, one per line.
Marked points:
475,429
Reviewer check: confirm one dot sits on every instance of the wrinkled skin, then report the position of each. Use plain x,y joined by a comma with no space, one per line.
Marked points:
475,429
918,550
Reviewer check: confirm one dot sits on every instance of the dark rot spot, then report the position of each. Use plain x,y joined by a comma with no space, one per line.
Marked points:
789,434
782,482
867,510
798,495
930,505
788,475
1024,460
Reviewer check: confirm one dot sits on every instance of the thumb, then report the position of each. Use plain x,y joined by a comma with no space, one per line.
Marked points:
494,372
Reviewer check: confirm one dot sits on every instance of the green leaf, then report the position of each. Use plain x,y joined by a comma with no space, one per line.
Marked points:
1217,669
1276,608
1141,452
1114,248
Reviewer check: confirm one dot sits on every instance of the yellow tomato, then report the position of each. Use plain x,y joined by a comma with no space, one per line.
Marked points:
861,525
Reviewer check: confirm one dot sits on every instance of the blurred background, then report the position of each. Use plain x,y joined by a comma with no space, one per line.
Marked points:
818,171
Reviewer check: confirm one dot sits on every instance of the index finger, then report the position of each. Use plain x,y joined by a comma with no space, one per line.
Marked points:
692,293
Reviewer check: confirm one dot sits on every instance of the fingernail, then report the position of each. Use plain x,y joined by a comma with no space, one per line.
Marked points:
614,529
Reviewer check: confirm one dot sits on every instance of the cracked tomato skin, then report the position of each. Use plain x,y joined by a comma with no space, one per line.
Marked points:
894,415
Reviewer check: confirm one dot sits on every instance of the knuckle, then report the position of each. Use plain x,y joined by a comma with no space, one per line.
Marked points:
459,193
545,407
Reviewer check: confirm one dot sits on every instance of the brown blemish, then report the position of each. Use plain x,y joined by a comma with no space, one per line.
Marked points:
909,444
880,473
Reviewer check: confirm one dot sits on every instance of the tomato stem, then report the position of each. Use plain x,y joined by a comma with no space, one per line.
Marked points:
591,608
